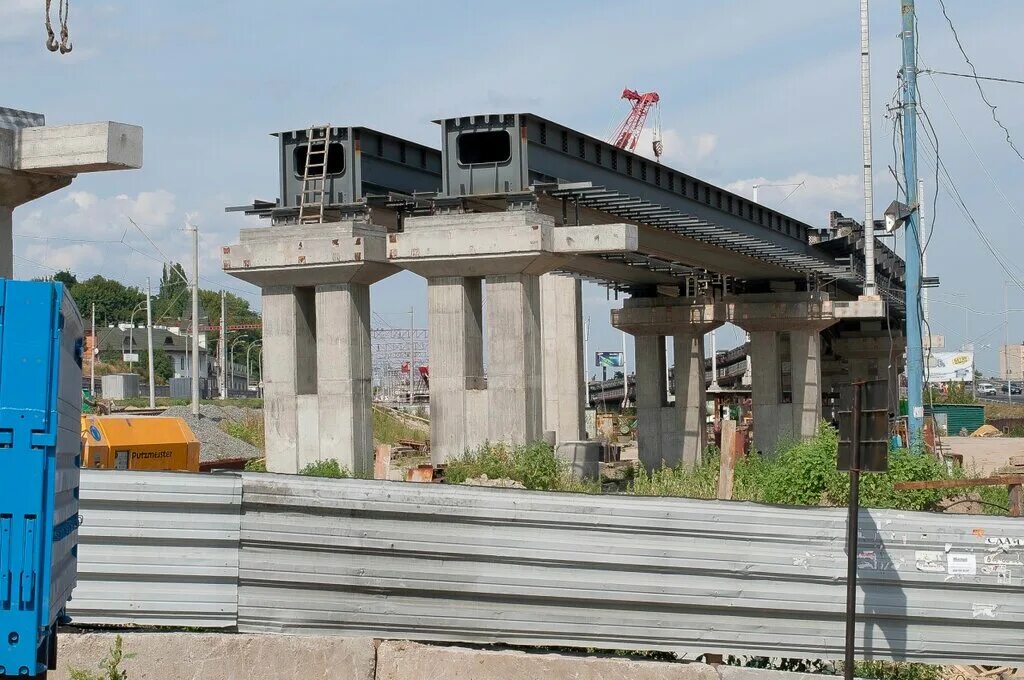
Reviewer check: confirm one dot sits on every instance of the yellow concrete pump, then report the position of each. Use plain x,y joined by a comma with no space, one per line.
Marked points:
150,443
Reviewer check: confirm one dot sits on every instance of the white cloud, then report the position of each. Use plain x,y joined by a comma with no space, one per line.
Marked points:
810,202
685,152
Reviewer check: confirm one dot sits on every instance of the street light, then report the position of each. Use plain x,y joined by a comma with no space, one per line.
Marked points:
248,372
131,331
231,361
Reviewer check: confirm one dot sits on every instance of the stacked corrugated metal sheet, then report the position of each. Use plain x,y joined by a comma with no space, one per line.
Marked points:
158,549
432,562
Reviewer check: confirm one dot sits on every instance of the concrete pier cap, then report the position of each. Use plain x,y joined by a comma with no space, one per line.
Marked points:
36,159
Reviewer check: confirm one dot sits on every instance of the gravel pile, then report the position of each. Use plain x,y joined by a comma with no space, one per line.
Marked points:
215,443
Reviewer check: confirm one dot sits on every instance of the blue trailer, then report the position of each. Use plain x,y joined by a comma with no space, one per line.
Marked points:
41,347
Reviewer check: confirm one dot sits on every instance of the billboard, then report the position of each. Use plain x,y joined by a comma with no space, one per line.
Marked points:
950,367
608,359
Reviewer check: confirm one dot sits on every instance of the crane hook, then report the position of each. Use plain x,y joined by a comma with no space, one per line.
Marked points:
64,11
65,46
51,42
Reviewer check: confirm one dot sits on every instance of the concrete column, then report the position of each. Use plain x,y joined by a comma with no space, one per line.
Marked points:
6,243
344,376
514,383
805,353
562,333
281,426
651,398
691,398
772,418
455,329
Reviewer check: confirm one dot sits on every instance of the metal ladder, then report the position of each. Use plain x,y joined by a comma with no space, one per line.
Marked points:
313,199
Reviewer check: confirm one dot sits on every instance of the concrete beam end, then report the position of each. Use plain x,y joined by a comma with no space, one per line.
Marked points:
73,149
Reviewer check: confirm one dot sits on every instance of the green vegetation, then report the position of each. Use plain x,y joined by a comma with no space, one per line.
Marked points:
533,465
256,465
111,665
329,468
894,670
249,429
389,428
956,393
805,474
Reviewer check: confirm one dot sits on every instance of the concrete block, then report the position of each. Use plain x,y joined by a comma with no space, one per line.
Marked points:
738,673
562,332
411,661
185,656
71,149
582,457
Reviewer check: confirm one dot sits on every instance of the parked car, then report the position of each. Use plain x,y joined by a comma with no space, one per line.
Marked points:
986,389
1011,388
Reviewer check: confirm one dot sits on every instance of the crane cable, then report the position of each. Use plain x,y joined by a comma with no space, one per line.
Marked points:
63,10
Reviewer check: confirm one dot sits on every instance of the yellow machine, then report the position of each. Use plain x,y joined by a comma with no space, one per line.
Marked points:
150,443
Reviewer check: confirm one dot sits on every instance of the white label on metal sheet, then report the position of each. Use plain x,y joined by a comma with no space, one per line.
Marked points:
934,562
134,356
962,564
919,411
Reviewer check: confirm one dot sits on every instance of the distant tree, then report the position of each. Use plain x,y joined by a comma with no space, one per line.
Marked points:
114,301
163,369
172,300
67,278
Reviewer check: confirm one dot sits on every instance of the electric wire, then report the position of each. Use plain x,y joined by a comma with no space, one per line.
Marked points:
977,81
968,75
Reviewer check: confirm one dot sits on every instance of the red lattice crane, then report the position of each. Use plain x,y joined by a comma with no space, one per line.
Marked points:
628,133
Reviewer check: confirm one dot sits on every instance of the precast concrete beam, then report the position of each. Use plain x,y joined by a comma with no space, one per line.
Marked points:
667,316
310,254
562,343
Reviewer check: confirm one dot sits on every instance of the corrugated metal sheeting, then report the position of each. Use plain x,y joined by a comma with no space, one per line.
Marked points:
430,562
158,549
433,562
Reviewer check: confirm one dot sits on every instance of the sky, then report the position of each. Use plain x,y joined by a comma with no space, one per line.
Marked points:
752,92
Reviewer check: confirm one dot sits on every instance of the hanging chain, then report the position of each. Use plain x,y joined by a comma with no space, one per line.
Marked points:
63,10
51,40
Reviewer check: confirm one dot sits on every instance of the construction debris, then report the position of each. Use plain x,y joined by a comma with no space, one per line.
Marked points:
986,431
214,443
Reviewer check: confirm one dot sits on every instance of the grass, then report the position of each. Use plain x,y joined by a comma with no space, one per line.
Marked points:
534,465
249,430
329,468
389,428
111,665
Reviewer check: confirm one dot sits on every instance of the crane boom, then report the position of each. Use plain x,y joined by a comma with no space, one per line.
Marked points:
628,133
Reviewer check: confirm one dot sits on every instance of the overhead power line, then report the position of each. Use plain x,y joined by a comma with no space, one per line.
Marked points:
977,81
973,77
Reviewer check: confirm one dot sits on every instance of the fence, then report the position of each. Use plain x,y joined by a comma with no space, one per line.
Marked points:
428,562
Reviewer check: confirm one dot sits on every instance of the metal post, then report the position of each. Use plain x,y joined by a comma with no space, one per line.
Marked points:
149,342
1006,341
222,353
756,187
925,295
865,109
412,351
625,373
714,362
95,353
195,320
586,353
915,348
851,534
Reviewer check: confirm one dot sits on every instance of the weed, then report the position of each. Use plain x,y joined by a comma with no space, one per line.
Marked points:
389,428
534,465
111,665
256,465
328,467
249,429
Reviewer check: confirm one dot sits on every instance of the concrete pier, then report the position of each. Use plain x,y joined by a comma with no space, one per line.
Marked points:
458,389
691,395
562,346
316,281
657,438
514,382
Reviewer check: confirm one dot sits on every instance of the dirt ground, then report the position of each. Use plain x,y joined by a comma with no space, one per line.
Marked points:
985,454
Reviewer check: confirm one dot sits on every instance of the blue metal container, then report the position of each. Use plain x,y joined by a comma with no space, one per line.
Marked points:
41,346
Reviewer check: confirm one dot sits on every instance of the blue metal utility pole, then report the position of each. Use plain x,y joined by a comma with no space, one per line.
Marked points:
915,350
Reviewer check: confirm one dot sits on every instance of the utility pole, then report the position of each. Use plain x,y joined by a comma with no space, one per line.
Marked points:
865,109
222,354
412,351
915,348
1006,341
95,353
149,343
195,319
925,304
